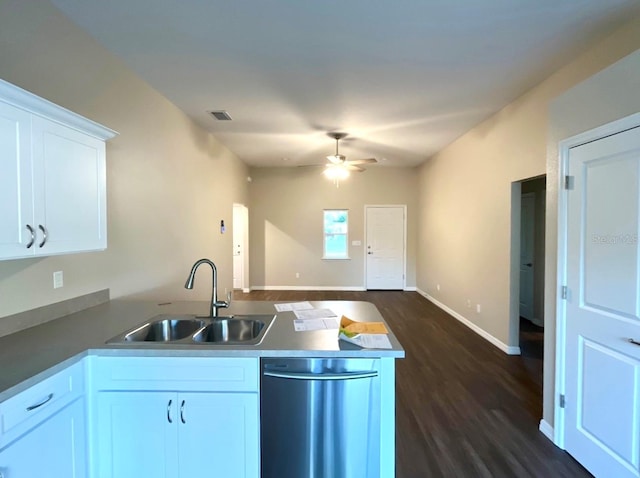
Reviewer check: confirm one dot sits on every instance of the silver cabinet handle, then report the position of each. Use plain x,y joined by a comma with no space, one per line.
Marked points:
44,235
169,411
182,412
634,342
38,405
33,239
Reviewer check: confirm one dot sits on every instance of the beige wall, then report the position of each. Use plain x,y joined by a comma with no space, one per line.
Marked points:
285,217
165,195
465,199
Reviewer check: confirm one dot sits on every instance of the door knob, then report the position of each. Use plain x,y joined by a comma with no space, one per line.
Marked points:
634,342
529,264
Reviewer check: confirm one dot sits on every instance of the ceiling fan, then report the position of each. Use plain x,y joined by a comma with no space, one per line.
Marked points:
339,161
338,167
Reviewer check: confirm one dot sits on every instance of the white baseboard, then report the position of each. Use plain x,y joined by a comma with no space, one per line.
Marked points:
546,429
410,289
509,350
310,287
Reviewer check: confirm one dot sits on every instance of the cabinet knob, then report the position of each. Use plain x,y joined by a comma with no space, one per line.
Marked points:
44,235
169,411
182,412
33,238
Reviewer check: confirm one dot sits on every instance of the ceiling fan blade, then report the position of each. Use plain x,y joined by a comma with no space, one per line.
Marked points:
309,165
363,161
350,167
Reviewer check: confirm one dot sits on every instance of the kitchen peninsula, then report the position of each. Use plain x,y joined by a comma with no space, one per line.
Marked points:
167,409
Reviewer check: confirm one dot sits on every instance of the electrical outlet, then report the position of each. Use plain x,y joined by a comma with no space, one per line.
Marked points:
438,287
468,303
478,308
58,279
297,275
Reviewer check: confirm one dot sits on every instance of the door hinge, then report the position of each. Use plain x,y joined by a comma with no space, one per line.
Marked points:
562,402
569,182
565,292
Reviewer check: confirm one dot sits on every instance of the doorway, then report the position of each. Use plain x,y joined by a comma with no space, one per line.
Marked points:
241,247
527,265
385,258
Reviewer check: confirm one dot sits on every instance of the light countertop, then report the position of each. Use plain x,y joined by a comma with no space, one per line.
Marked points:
31,355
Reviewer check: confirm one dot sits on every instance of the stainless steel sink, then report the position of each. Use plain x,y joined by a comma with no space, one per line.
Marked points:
165,330
232,330
193,330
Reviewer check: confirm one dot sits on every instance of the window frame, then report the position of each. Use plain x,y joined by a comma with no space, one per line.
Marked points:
325,256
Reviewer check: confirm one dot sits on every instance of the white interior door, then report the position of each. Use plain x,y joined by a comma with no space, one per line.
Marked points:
385,260
527,241
602,384
240,246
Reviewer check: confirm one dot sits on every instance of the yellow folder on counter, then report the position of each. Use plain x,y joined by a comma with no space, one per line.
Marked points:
351,328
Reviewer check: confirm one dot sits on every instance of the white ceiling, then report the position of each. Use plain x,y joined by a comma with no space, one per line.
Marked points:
404,78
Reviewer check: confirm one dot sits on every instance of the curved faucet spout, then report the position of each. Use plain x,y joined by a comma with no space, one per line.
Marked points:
215,304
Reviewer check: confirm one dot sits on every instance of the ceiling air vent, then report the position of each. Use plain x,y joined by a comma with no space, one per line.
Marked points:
220,115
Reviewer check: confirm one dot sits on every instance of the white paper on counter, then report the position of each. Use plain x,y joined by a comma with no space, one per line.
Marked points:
314,324
314,314
369,341
293,306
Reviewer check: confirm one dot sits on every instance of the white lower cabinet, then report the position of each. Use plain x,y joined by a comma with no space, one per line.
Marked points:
168,434
56,448
171,431
218,435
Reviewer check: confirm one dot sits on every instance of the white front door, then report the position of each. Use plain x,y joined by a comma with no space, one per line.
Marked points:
240,239
527,238
602,374
385,247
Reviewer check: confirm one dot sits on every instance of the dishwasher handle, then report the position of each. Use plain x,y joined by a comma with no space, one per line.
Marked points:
321,376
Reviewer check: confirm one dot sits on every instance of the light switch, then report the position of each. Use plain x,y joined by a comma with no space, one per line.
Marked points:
356,243
58,279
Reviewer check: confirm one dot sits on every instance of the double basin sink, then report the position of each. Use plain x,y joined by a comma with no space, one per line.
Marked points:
194,330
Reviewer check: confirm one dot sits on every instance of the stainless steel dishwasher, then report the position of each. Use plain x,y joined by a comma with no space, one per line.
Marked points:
320,418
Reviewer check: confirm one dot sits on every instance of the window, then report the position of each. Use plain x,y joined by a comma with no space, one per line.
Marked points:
336,234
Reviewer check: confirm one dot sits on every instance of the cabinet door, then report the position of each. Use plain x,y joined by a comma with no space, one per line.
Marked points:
136,435
69,177
218,435
55,448
16,207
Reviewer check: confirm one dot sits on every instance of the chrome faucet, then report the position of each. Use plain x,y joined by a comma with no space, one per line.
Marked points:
215,303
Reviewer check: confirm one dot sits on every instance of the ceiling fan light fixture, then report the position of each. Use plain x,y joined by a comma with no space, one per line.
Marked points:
336,172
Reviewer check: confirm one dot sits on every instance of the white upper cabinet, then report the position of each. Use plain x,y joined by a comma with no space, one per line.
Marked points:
53,181
16,208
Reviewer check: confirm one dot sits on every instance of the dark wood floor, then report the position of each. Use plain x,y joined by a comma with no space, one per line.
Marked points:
463,407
